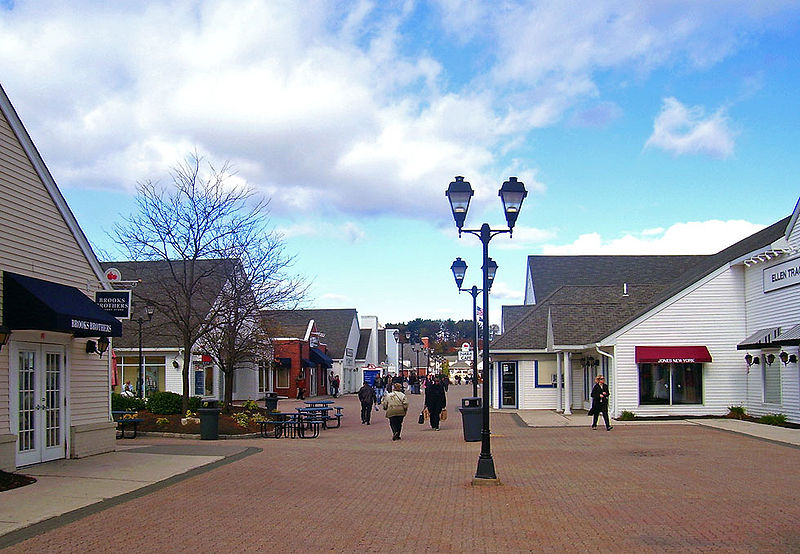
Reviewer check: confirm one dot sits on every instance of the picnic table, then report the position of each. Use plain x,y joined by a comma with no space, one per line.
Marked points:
318,403
123,419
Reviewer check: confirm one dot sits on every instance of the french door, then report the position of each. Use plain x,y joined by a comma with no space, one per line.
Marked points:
38,377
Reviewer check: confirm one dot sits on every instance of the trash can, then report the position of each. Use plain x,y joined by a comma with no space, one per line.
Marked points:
209,419
271,401
471,418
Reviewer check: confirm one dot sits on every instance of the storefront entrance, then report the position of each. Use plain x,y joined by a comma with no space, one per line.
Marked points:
37,389
508,385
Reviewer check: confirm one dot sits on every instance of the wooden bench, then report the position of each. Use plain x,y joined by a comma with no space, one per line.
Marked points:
122,422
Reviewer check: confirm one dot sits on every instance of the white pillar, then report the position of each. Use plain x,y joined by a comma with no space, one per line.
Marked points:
567,383
559,382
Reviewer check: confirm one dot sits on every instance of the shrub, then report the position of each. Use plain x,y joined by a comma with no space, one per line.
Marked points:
162,421
121,403
627,416
737,412
165,403
242,418
194,403
249,405
773,419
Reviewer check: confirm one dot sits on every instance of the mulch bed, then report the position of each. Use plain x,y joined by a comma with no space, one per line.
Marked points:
227,425
10,481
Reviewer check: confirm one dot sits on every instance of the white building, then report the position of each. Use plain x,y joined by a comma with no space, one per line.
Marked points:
54,388
668,332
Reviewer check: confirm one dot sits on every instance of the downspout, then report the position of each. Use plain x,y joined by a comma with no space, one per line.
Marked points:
613,380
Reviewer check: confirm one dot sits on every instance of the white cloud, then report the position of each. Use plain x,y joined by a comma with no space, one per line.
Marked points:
682,130
694,237
335,104
348,231
524,238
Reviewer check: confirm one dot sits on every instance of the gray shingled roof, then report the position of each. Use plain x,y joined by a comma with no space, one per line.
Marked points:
334,323
363,344
156,283
550,272
584,311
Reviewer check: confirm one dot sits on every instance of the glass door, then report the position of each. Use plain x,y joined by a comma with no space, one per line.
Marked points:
38,372
508,384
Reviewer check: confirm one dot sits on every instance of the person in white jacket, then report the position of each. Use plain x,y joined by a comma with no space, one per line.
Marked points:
396,405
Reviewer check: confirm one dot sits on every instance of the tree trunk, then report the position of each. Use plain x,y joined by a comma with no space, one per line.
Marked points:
228,390
187,364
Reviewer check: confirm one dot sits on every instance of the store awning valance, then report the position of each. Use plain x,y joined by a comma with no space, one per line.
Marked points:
789,338
308,363
760,339
321,358
283,362
30,303
672,355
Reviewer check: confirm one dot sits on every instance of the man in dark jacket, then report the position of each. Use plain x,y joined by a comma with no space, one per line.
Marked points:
435,401
366,395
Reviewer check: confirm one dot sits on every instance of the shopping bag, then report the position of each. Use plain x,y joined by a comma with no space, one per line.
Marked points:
421,418
444,414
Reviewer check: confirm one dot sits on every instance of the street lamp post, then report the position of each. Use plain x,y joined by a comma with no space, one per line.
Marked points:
459,269
140,320
459,193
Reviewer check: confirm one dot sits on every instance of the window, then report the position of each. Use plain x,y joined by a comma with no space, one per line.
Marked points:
670,384
282,377
154,372
771,378
263,376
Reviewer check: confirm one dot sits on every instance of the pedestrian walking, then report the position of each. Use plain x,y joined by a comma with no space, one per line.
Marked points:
600,402
379,389
366,395
335,386
435,401
301,386
396,406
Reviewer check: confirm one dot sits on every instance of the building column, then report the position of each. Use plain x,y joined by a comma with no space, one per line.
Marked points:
567,383
559,382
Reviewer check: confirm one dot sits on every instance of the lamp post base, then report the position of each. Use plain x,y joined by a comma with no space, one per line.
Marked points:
485,471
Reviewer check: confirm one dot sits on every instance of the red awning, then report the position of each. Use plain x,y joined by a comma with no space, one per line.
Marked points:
672,355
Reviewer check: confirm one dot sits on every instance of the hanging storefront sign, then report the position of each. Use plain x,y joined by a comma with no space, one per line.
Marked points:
115,302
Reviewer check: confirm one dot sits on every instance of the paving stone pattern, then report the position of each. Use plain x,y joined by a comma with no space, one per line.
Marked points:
643,488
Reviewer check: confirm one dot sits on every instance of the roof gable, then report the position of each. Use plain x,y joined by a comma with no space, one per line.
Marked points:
29,164
336,324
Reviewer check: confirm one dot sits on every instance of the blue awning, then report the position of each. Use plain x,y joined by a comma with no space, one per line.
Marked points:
308,363
30,303
321,358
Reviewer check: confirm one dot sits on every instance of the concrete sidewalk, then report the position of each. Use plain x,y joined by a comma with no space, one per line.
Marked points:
67,486
551,418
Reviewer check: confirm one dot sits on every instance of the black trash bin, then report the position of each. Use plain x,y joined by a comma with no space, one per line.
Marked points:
271,401
209,419
471,418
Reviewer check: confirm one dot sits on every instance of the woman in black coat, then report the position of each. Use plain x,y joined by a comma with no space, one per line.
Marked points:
435,401
600,402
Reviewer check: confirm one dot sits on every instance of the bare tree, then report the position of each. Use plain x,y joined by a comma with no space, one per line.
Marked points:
237,339
202,228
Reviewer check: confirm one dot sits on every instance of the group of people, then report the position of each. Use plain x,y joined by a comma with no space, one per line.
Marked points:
395,403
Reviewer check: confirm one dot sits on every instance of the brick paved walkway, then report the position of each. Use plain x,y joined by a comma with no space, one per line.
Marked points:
645,488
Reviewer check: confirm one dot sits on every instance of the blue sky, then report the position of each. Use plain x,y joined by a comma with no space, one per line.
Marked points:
637,127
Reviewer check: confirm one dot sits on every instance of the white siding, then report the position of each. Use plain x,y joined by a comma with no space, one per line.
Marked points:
779,308
39,243
711,314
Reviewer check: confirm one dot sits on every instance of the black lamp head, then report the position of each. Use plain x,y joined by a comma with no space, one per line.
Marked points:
459,193
512,193
459,269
